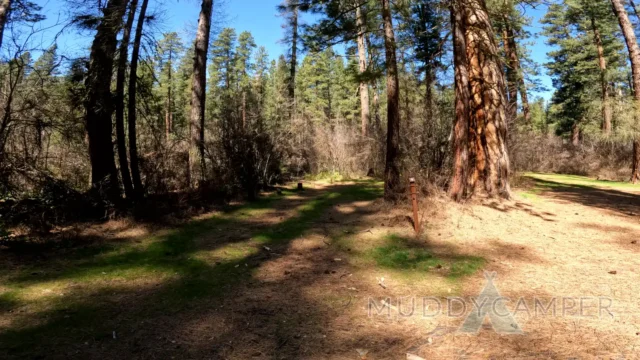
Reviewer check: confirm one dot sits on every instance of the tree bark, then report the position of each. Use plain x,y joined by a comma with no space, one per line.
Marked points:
294,56
635,169
602,63
5,7
120,79
362,62
634,57
488,125
168,120
512,68
198,92
522,87
98,103
392,170
457,189
133,80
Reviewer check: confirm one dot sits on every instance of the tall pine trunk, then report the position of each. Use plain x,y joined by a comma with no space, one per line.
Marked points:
5,7
98,102
293,7
362,63
488,160
391,170
458,188
522,88
120,82
168,117
602,63
634,57
198,92
512,68
133,80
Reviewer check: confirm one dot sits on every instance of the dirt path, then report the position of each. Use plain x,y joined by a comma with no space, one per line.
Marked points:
306,276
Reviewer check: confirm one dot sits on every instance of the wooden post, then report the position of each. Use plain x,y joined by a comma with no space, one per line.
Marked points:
414,204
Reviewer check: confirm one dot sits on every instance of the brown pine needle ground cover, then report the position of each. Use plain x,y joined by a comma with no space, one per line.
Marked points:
306,275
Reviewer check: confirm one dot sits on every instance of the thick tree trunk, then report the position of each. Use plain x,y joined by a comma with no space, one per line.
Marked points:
460,143
98,102
512,72
488,123
392,171
198,92
5,7
362,62
120,80
634,57
133,80
602,63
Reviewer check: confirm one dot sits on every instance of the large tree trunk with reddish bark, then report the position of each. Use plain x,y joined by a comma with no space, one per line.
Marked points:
392,170
634,57
98,102
198,95
362,63
5,7
457,188
488,167
604,86
133,80
120,82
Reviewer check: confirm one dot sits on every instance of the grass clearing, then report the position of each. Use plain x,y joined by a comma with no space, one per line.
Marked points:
563,180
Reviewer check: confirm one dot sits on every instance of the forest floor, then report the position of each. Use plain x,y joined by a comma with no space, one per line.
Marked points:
306,275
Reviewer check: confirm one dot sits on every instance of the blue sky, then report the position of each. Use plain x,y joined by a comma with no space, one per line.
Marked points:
257,16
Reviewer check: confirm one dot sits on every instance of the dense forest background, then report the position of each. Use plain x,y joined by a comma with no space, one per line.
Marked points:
437,90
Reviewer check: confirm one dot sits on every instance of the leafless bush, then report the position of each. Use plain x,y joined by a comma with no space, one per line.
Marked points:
596,157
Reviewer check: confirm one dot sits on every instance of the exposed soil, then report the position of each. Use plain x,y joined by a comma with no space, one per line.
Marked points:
296,279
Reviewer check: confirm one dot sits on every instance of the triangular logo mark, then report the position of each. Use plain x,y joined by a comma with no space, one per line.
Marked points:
490,303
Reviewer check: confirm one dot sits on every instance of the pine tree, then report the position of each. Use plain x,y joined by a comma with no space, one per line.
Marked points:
198,93
581,64
98,104
169,50
634,58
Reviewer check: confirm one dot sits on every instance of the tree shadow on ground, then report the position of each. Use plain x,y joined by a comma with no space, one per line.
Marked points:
520,206
620,202
88,316
205,291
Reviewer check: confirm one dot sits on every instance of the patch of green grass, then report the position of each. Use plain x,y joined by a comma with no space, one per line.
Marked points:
580,180
401,254
163,273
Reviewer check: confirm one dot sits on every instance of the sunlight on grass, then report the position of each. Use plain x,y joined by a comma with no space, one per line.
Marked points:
581,180
399,253
75,295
